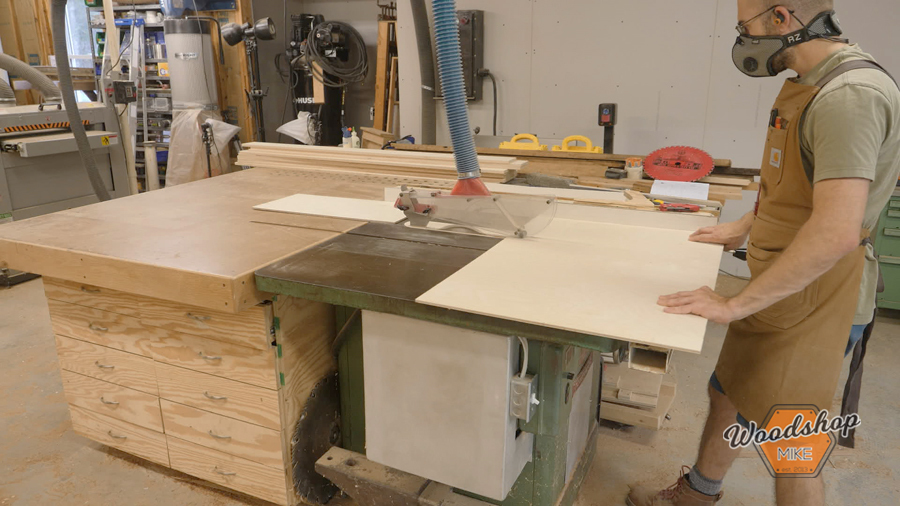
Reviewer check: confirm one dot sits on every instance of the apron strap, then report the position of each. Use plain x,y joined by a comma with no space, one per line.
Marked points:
850,404
852,65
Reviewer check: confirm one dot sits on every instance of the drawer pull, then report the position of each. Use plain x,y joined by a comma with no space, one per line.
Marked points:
214,397
115,436
198,318
89,290
892,232
213,434
111,403
93,326
103,366
209,357
223,473
889,260
893,214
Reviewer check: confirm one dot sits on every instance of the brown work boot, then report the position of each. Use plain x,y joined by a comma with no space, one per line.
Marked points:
679,494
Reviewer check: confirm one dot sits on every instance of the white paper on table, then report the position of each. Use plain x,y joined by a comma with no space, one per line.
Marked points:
679,189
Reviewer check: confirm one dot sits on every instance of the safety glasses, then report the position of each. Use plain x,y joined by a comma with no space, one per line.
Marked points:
742,27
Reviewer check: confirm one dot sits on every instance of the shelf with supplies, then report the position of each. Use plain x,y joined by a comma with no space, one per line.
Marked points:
136,7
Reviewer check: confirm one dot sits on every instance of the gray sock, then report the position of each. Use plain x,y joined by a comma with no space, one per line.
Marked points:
703,484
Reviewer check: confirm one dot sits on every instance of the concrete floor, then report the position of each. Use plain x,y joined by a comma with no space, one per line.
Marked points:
43,462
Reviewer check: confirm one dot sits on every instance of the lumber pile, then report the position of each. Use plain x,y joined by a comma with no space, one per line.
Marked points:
571,163
718,190
494,169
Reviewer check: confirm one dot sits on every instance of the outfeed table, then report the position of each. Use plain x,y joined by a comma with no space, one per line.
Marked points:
168,351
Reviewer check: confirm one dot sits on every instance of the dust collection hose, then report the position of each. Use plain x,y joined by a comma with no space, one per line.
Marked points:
58,14
7,95
43,83
449,58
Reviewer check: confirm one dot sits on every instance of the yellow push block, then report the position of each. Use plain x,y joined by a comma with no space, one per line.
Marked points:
533,143
568,145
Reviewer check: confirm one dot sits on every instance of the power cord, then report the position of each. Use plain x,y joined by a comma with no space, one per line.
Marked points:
487,73
354,70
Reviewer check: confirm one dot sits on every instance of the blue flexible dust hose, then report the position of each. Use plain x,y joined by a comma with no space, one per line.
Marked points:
449,59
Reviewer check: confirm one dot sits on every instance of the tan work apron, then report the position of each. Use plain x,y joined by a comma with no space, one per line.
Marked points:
791,352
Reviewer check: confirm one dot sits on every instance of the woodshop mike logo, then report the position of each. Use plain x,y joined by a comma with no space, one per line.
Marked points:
795,440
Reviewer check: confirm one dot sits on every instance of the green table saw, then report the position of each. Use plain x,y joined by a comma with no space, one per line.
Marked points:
373,275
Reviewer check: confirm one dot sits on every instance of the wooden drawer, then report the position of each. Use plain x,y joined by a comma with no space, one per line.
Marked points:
222,396
247,328
92,296
113,400
114,366
108,329
234,437
227,470
124,436
239,363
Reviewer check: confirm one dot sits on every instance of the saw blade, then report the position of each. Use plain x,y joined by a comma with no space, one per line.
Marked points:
679,163
317,430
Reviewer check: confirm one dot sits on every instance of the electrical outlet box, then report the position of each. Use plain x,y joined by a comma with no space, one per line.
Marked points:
522,390
471,41
124,92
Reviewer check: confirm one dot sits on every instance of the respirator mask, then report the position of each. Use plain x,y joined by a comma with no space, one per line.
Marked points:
755,55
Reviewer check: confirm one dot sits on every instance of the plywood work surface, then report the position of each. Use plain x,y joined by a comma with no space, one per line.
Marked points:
196,243
336,207
599,279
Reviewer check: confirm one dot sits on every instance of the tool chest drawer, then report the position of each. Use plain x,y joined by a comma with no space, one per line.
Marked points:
238,363
247,328
219,395
125,369
105,328
112,400
124,436
234,437
92,296
227,470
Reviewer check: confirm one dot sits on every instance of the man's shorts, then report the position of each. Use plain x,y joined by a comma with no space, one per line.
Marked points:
856,333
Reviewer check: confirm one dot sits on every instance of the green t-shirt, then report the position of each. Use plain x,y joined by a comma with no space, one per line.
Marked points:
852,130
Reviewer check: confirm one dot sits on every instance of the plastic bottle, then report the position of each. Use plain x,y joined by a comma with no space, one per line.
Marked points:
634,168
346,142
354,139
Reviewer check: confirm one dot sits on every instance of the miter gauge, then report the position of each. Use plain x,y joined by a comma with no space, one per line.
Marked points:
679,163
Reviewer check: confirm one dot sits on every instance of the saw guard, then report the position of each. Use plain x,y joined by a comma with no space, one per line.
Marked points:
507,215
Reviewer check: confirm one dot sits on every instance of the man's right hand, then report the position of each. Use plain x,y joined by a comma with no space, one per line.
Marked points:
731,235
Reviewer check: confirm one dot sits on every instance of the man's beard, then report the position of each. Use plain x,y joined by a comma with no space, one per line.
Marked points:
783,60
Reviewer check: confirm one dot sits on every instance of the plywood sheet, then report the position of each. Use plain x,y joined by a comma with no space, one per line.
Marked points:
600,279
336,207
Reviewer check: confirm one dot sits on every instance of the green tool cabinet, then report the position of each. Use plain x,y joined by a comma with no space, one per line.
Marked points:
887,245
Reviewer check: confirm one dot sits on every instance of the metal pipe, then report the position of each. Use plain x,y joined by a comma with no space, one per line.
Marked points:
426,70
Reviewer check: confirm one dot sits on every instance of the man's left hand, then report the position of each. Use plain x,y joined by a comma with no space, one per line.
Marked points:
702,302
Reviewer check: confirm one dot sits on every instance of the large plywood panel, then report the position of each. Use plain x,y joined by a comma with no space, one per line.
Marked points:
596,278
336,207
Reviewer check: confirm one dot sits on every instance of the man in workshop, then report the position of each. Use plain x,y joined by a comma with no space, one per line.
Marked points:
831,162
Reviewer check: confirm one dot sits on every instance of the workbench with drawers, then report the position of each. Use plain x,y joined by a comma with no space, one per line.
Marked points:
166,348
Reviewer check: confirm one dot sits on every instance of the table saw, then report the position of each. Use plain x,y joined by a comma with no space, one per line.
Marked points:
226,325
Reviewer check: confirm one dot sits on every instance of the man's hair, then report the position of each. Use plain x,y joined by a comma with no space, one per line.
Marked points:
805,10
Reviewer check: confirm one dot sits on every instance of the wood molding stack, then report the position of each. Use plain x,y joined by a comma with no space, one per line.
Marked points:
494,169
589,169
